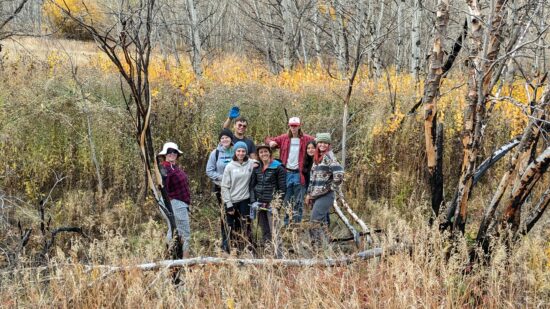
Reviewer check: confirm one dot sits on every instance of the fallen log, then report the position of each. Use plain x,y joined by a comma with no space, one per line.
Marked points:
364,227
346,222
196,261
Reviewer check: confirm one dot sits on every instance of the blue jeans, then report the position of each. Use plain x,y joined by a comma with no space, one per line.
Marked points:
294,196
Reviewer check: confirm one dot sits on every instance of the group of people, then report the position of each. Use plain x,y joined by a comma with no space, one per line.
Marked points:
249,182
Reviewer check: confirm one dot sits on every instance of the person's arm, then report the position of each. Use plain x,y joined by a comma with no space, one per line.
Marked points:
211,169
337,172
227,123
225,185
311,174
253,182
252,150
274,142
186,191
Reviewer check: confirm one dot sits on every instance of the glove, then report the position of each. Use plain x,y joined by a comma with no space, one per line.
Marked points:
234,112
253,208
230,210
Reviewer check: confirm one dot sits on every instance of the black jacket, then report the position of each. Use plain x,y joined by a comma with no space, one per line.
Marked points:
266,183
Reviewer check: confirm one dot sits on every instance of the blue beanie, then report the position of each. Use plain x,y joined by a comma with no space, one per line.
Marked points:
240,144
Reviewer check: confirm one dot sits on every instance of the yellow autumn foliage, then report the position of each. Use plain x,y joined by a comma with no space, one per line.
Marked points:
87,10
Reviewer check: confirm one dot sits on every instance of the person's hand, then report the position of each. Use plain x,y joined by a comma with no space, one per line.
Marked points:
234,112
230,210
308,201
273,144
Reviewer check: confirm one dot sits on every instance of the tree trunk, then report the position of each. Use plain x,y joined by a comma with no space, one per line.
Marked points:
514,169
196,52
537,211
523,188
399,52
483,52
316,30
431,95
415,39
288,41
341,39
377,60
268,46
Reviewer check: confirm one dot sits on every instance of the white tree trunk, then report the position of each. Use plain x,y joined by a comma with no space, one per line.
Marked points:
399,52
288,44
195,39
268,46
316,30
376,52
415,39
339,38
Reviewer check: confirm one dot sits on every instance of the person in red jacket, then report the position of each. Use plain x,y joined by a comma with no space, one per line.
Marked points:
292,149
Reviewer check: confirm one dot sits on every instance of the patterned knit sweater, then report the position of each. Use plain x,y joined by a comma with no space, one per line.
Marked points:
325,176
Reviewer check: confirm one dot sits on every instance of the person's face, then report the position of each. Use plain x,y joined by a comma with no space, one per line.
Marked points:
294,129
240,154
240,127
264,154
323,146
310,150
171,155
225,141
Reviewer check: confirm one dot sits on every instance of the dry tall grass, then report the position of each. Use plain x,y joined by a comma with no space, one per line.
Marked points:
424,278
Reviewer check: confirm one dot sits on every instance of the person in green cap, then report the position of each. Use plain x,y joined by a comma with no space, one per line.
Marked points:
326,177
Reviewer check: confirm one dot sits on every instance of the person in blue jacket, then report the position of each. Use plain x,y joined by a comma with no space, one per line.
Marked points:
217,161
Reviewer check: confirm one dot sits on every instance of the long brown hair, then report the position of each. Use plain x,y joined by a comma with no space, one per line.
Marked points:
300,133
318,156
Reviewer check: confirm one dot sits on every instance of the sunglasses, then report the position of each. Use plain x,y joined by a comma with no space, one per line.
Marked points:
172,151
294,125
240,125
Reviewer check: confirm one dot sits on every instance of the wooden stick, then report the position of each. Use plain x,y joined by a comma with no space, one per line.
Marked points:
346,222
364,227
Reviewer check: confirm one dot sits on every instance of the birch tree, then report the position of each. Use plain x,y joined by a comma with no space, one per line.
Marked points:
489,50
431,95
415,39
196,50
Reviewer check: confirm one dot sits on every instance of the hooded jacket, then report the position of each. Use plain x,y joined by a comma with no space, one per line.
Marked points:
215,168
268,181
235,185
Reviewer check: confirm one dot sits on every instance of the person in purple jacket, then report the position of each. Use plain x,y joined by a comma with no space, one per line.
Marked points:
176,184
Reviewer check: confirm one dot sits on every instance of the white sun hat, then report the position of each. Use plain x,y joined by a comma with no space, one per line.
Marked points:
168,145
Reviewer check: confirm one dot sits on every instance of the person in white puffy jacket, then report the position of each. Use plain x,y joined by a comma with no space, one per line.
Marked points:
235,190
